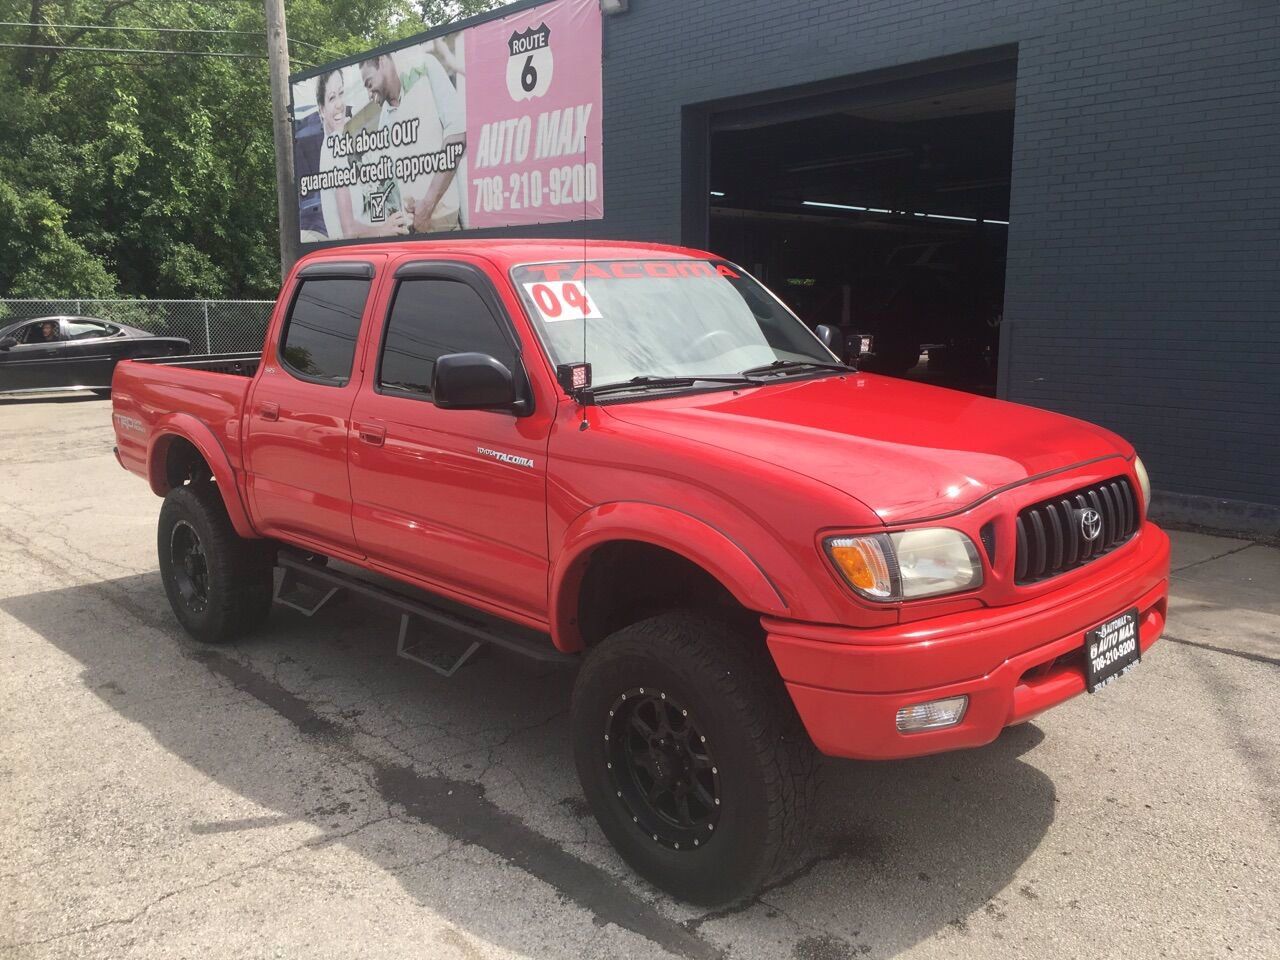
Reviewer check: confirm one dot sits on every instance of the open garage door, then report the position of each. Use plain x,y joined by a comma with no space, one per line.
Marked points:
882,209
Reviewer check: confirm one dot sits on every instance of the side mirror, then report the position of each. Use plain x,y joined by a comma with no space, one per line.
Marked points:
8,343
828,336
472,381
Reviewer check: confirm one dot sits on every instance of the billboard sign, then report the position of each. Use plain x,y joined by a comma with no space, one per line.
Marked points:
494,125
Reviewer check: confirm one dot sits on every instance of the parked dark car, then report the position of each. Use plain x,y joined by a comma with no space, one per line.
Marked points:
73,353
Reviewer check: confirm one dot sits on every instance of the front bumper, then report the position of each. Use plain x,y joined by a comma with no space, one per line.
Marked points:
1013,662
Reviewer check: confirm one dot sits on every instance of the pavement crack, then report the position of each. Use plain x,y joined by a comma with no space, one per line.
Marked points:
1242,654
837,852
264,863
1196,563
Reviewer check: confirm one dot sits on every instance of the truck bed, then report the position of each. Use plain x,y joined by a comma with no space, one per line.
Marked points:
236,364
147,394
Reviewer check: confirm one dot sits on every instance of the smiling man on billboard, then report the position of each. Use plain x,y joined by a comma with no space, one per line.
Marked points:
427,94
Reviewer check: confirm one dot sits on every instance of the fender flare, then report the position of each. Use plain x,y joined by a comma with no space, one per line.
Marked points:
186,427
673,530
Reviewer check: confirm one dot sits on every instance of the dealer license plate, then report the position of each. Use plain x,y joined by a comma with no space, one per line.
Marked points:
1111,650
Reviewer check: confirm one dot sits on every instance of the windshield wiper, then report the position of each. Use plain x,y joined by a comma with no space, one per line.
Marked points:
787,366
659,383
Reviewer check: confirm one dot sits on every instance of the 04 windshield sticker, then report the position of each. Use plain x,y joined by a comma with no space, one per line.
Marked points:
562,300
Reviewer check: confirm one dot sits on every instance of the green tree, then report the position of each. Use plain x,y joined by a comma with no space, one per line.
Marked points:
146,175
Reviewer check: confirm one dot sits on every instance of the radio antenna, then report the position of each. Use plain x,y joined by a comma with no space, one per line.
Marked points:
585,299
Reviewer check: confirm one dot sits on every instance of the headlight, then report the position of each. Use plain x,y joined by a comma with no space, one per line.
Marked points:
907,565
1144,482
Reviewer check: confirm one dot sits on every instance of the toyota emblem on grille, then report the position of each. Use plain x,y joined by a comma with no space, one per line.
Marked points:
1090,524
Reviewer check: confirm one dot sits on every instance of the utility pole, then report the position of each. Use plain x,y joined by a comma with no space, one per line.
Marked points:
286,188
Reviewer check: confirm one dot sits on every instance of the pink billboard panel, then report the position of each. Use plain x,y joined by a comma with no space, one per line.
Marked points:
533,116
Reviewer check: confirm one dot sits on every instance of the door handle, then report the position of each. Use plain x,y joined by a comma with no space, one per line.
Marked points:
269,411
371,433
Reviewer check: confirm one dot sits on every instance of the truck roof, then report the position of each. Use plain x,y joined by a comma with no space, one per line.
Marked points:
507,252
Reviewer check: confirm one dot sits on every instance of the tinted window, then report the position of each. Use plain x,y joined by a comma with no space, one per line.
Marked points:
320,333
429,319
86,330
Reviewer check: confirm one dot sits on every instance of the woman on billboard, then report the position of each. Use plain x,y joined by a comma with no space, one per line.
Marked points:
342,218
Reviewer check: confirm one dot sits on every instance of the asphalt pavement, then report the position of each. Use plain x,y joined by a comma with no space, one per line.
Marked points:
307,793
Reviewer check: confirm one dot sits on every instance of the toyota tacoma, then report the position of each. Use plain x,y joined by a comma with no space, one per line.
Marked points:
636,457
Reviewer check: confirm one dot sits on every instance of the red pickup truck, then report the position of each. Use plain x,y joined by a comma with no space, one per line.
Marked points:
636,456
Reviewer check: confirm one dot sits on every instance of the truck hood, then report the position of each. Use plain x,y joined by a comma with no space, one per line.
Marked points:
906,450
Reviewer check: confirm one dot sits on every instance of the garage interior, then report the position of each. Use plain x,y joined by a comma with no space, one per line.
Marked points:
881,209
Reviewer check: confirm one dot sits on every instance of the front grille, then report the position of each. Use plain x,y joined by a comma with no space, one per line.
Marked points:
1050,536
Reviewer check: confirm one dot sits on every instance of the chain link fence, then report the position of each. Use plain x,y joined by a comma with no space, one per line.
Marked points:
212,326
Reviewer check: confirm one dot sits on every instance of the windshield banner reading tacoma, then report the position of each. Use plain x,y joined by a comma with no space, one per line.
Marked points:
496,125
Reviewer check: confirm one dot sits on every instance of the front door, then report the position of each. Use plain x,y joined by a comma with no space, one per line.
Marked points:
456,498
300,407
36,362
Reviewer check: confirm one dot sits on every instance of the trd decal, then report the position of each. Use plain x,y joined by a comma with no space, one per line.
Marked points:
129,423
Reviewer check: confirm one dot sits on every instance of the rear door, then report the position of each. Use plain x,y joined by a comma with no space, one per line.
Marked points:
300,408
453,497
36,362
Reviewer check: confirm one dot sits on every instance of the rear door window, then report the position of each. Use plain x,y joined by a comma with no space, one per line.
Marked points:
319,338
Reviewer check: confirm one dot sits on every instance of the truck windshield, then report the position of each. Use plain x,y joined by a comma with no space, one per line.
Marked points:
661,319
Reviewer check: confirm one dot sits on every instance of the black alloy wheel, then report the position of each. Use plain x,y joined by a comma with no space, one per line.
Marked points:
190,566
662,769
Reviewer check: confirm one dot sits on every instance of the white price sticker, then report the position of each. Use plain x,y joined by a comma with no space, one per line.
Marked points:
562,300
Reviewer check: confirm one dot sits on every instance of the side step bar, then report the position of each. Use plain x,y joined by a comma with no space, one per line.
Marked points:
430,634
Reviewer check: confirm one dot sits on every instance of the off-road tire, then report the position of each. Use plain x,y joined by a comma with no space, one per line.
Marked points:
238,575
725,680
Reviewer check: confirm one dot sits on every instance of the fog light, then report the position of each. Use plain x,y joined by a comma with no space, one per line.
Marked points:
932,715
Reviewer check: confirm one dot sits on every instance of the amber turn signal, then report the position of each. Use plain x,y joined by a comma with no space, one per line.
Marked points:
863,563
